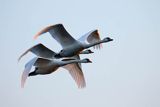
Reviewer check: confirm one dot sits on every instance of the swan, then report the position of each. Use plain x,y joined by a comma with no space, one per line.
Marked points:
70,45
46,66
43,52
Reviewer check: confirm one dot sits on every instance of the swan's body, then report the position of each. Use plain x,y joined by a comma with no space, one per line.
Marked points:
71,46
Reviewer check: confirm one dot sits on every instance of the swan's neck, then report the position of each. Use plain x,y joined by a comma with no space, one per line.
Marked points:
93,44
71,61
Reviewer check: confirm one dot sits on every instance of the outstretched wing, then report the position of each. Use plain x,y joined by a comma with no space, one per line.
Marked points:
91,37
59,33
41,51
26,71
76,73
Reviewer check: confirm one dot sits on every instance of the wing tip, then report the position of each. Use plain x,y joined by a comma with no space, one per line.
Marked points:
35,37
19,59
23,79
46,29
22,85
23,54
82,86
96,32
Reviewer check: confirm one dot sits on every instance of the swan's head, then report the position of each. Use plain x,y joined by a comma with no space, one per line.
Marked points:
107,39
87,52
86,60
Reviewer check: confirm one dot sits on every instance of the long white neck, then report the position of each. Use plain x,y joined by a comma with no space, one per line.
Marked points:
93,44
72,61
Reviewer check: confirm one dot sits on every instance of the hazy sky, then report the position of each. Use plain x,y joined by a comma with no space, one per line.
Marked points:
124,73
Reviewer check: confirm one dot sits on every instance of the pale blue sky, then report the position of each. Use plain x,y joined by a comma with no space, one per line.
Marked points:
125,73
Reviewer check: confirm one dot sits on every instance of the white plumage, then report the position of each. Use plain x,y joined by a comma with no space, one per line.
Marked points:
47,61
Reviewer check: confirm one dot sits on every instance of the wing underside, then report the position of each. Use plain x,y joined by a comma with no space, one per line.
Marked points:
77,74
